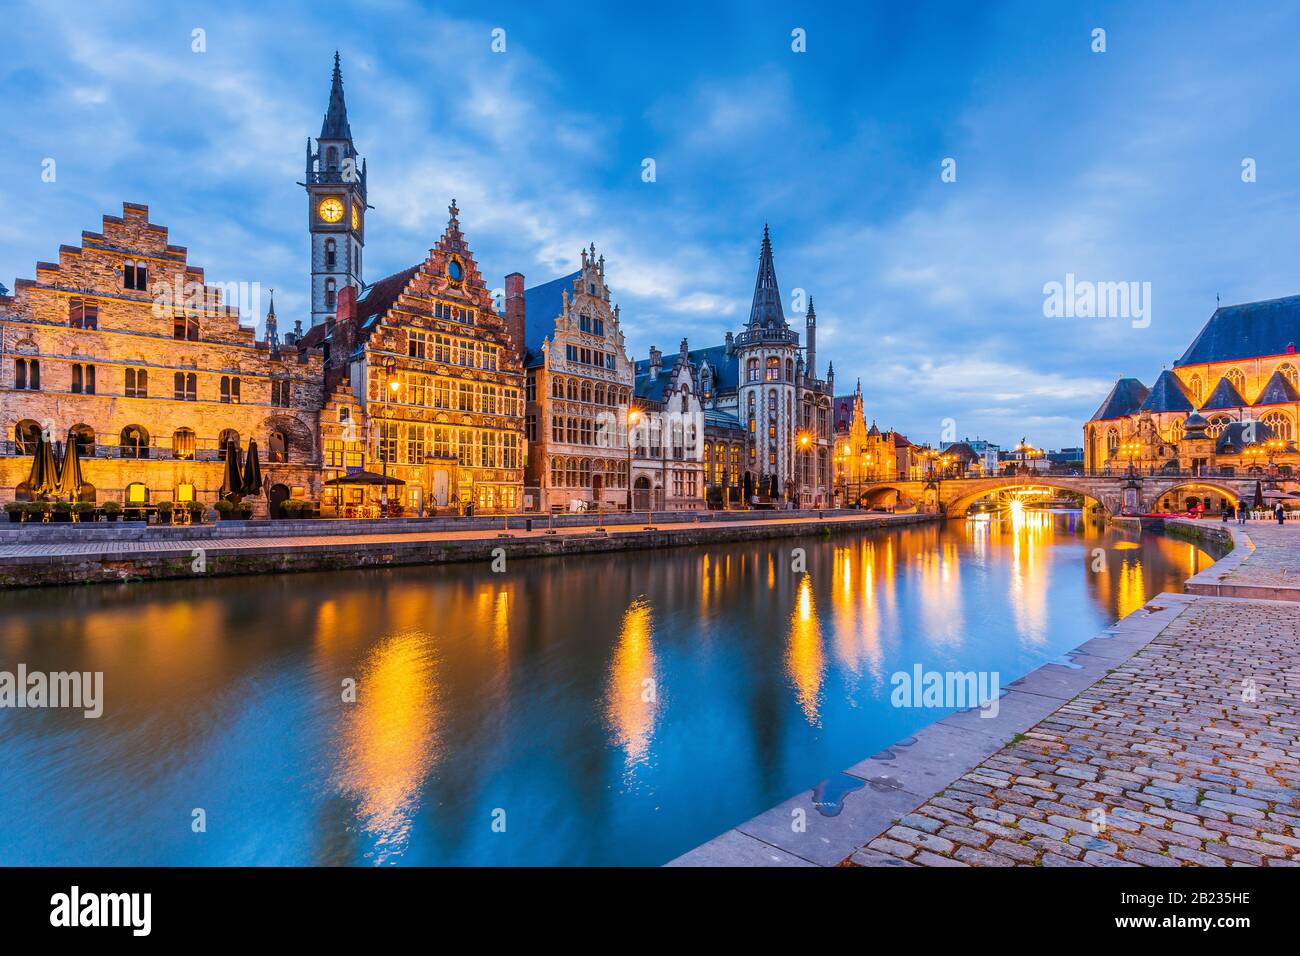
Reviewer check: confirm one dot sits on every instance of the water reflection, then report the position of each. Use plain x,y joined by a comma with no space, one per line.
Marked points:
621,708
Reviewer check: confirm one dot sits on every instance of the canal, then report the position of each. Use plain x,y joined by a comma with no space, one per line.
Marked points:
607,710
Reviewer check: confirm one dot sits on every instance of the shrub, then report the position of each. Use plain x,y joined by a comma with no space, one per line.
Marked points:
62,506
15,507
194,507
165,507
245,508
224,507
39,508
83,508
112,508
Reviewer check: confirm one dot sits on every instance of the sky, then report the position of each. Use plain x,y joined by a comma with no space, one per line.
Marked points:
1122,165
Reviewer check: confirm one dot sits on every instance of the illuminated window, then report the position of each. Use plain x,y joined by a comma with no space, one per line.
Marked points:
137,494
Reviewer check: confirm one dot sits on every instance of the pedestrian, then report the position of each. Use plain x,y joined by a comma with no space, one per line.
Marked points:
1242,513
1227,512
1280,512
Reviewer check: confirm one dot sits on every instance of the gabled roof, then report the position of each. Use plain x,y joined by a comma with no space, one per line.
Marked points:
1278,391
1271,327
1238,435
842,410
726,368
378,297
1225,395
653,389
542,306
1168,395
1125,398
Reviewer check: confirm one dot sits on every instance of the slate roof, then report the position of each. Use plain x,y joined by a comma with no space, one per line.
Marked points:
1225,395
335,125
653,389
542,306
726,368
1168,395
842,410
1234,437
717,418
1125,398
766,309
1278,391
1271,327
378,297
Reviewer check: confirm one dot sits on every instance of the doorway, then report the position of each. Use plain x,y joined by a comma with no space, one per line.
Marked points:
276,497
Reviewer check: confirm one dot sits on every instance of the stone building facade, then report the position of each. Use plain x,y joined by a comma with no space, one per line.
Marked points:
123,345
1230,405
668,437
579,389
435,386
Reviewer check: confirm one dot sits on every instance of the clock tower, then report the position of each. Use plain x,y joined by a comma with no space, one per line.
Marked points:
336,206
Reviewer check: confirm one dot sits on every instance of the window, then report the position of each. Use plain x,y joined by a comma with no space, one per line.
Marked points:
1289,373
137,494
1195,388
183,444
386,445
1238,379
83,379
230,389
185,328
751,370
417,344
280,392
331,293
415,439
184,493
331,254
135,275
27,435
82,314
84,436
134,442
185,387
137,383
1279,425
773,368
227,438
278,447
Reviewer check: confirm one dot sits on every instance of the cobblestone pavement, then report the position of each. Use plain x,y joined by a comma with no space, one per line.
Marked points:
337,541
1186,754
1275,562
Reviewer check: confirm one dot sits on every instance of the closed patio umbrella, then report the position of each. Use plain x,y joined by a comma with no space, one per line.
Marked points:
232,483
252,471
70,480
44,477
1259,495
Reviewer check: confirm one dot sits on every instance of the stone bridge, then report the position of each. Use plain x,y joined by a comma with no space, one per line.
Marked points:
1114,494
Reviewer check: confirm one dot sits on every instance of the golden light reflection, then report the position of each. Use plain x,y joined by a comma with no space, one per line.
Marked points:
1131,593
389,740
631,698
805,660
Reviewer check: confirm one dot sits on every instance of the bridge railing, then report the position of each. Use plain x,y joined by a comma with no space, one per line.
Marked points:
1249,474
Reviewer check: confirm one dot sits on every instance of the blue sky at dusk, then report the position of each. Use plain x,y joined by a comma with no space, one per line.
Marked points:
1118,166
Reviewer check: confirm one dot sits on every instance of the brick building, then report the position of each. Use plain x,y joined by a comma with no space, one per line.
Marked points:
122,345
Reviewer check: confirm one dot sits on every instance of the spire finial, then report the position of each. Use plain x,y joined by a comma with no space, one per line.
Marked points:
335,125
454,210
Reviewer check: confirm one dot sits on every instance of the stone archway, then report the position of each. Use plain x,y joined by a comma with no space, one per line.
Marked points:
276,496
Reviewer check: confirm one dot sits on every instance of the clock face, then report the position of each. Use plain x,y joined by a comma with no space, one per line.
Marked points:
330,209
356,216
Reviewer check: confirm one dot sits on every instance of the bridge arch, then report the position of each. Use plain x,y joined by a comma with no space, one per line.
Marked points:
966,496
1158,498
887,496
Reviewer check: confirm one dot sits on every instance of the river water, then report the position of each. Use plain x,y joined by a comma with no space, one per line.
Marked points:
613,709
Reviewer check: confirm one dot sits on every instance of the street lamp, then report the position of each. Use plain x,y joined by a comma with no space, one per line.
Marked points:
633,419
1130,450
805,443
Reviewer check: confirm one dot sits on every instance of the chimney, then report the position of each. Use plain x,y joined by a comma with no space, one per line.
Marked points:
731,343
656,361
515,313
345,325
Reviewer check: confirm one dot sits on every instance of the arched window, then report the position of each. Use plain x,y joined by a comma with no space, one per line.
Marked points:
278,447
586,392
185,387
230,389
134,442
1279,424
1176,431
137,383
332,158
557,388
573,389
227,437
84,436
331,254
27,436
1238,379
1289,373
1112,442
1195,388
137,494
331,293
135,275
751,370
1216,425
789,370
27,374
183,444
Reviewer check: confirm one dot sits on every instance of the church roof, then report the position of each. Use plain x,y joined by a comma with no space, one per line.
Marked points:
1125,398
717,418
542,306
1244,331
766,309
1237,436
1168,395
1225,395
335,124
1278,391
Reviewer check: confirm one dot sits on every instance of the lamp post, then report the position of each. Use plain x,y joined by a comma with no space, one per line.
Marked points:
805,444
1130,450
633,419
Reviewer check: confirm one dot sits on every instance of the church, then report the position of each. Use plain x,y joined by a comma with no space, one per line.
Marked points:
1228,406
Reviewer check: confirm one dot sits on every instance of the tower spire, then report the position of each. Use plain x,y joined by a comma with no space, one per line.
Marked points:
335,125
766,310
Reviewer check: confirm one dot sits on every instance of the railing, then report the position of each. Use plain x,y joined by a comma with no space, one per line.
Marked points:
761,336
204,450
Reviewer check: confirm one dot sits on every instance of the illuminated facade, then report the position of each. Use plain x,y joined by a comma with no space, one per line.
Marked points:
668,463
124,346
1229,405
437,382
579,389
